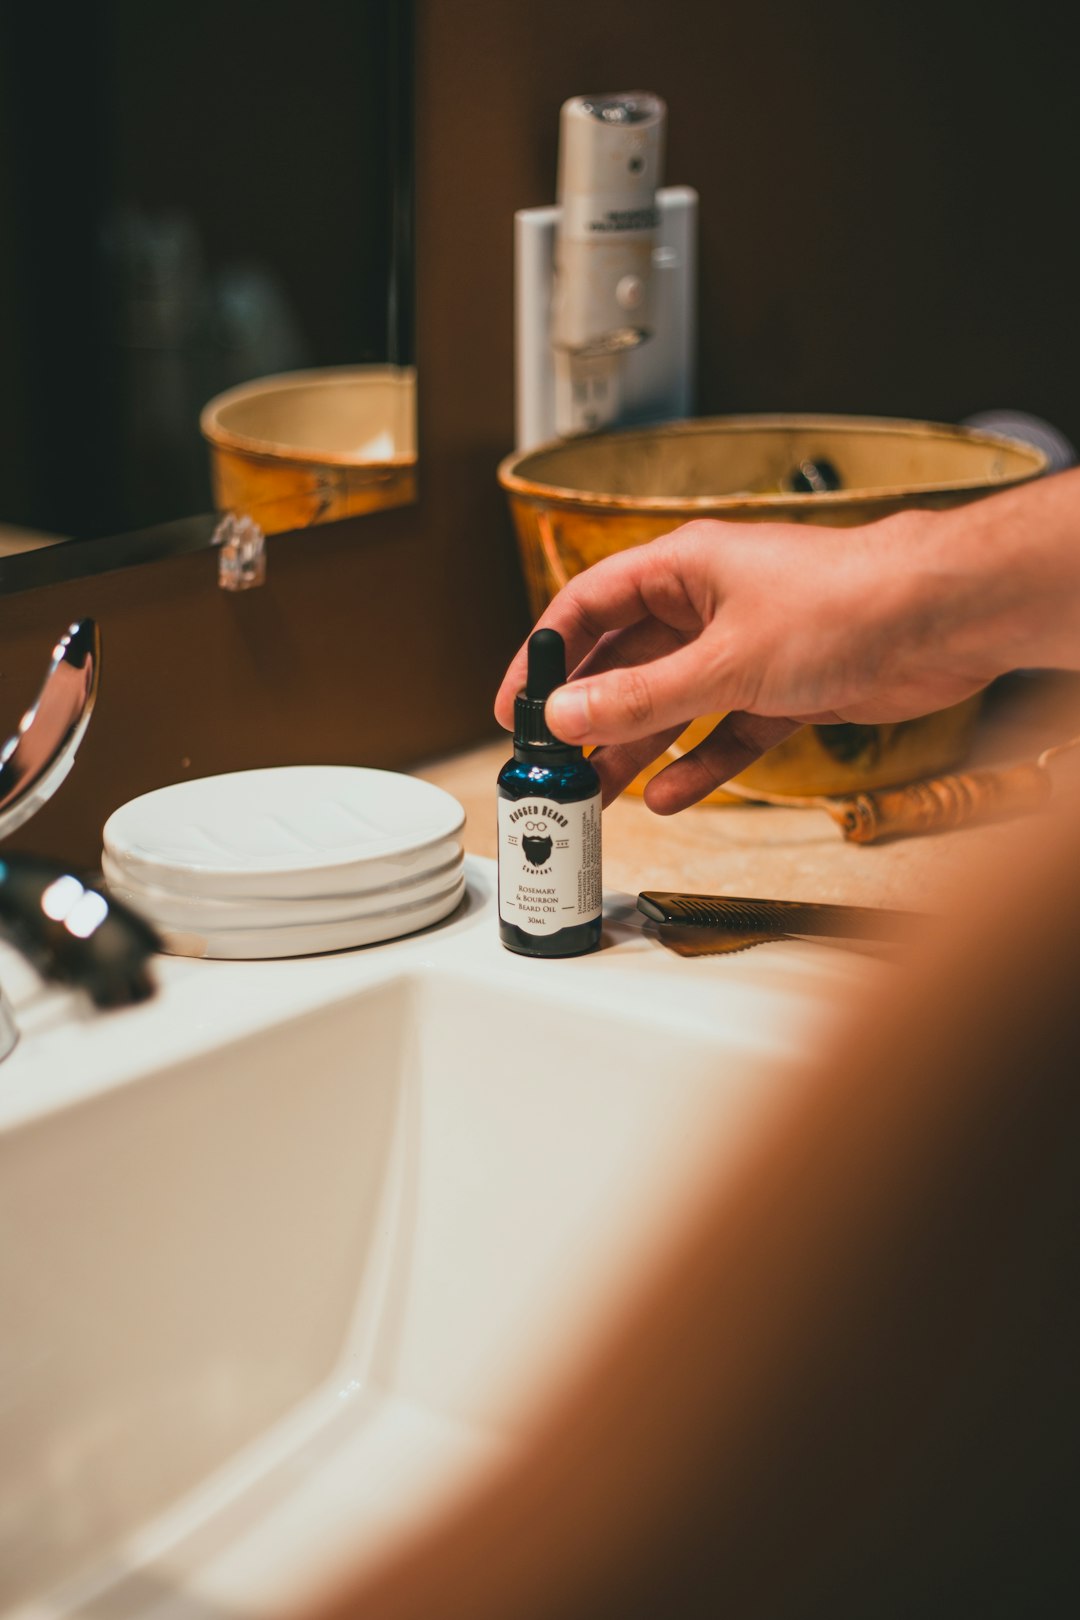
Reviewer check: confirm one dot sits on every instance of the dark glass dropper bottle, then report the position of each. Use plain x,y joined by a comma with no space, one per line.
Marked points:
549,825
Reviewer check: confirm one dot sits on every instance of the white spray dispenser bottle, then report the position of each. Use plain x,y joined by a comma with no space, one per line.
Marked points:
604,280
610,166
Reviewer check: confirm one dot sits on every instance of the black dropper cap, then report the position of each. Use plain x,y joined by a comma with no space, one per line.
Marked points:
547,670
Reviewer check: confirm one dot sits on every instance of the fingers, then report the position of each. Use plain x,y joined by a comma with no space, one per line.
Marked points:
643,582
729,748
622,649
618,763
626,705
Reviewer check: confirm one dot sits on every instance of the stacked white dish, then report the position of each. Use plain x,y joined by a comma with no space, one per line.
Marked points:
287,861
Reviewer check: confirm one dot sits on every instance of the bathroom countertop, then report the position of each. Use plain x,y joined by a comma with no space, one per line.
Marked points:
779,853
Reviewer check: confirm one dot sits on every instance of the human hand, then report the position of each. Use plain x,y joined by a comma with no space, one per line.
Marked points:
773,626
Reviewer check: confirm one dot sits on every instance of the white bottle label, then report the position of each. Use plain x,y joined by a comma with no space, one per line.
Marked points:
549,863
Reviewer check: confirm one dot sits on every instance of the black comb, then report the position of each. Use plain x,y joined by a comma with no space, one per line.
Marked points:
775,917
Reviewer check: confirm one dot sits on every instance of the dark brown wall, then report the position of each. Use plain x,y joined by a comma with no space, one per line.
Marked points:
886,227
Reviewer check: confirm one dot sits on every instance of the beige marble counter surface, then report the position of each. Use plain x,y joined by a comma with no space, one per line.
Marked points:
777,852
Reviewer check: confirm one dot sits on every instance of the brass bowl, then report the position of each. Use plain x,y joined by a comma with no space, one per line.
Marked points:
576,501
313,446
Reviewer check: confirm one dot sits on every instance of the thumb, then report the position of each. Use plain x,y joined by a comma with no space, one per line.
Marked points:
623,705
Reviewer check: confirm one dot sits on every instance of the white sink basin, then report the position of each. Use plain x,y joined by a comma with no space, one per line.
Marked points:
292,1250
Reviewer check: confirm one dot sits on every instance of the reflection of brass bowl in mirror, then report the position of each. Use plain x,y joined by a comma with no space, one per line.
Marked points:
314,446
579,500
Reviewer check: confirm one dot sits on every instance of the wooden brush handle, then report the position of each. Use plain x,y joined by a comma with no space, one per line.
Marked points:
941,802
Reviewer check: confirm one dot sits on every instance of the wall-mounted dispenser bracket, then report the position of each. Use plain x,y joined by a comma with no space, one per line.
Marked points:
653,382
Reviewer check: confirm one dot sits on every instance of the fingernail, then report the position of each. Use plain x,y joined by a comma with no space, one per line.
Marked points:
568,712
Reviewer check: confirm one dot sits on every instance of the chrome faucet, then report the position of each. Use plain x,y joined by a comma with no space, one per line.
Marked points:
64,924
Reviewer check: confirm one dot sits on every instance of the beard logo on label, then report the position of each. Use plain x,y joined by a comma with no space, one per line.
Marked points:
536,842
536,850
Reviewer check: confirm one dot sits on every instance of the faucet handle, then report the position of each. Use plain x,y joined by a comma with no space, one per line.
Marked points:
35,761
74,933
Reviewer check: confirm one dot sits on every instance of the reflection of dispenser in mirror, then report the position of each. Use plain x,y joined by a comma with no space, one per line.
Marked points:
605,280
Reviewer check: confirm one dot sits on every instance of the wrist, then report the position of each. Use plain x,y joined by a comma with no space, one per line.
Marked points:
1022,547
975,597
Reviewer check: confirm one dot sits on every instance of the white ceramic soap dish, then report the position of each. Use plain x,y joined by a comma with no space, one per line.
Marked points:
287,861
292,830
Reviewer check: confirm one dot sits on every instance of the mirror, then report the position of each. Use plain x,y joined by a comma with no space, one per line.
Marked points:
192,195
